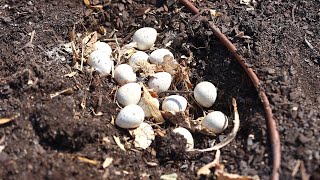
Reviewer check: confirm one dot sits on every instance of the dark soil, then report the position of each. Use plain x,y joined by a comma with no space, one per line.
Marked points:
49,135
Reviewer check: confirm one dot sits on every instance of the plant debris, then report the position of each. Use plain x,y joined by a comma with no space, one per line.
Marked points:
6,120
143,136
118,142
106,163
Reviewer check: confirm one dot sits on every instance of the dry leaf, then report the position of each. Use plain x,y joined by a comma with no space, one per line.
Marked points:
107,162
147,68
86,160
143,136
87,43
90,39
6,120
148,100
160,132
222,175
169,65
118,142
182,76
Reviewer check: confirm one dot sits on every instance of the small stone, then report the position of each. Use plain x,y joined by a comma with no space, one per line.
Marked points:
184,167
293,95
303,139
292,71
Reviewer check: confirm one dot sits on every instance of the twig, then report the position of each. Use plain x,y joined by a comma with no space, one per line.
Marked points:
174,92
292,13
29,44
68,90
296,168
230,136
271,123
190,6
304,174
205,170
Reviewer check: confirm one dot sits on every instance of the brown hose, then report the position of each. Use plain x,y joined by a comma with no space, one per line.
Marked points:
271,123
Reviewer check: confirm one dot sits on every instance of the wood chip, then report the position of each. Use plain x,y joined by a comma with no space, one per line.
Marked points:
118,142
107,162
86,160
6,120
172,176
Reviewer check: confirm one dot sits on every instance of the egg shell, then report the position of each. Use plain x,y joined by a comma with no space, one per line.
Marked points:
187,135
100,61
145,38
215,121
156,57
146,110
130,116
205,93
129,94
102,46
174,103
138,56
124,74
160,82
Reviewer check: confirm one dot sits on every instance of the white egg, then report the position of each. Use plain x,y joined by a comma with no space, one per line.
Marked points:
129,94
130,116
138,56
102,46
145,108
156,57
205,93
160,81
145,38
215,121
124,74
187,135
174,103
101,62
